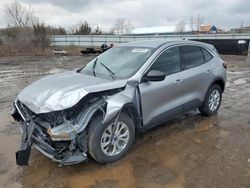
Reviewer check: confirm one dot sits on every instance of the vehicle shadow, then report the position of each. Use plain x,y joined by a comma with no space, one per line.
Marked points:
143,162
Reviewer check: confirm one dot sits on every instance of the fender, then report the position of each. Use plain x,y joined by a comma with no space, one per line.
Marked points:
219,79
119,101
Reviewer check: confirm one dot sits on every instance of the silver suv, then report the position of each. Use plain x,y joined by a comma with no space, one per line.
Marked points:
95,111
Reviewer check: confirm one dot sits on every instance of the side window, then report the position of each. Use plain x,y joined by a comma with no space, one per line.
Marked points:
168,62
193,56
207,55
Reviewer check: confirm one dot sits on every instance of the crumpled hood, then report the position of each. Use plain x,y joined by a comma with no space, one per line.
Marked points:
63,90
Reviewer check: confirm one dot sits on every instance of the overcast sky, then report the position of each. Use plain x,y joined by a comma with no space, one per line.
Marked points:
103,13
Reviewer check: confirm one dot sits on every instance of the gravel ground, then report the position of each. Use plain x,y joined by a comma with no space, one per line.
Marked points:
190,151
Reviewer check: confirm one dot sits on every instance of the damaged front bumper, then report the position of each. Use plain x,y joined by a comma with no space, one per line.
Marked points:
64,152
61,135
65,143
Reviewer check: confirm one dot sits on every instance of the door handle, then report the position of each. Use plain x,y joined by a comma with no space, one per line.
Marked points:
178,82
209,71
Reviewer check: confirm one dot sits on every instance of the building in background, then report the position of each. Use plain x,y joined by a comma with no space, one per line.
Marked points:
162,30
175,29
208,29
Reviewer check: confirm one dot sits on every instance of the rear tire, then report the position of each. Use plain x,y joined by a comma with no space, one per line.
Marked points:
212,101
107,142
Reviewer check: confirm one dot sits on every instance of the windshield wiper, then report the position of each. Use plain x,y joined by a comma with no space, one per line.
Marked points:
111,73
94,66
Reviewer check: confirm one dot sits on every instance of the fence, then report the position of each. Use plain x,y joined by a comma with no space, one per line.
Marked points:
3,39
98,40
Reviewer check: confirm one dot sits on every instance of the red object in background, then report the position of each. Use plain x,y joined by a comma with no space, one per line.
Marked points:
225,65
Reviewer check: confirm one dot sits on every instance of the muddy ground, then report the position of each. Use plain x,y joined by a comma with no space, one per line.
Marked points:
190,151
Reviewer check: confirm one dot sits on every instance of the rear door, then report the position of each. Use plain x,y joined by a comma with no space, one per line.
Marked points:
197,75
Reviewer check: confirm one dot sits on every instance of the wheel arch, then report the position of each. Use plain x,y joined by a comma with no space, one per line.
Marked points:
93,116
128,108
131,110
219,81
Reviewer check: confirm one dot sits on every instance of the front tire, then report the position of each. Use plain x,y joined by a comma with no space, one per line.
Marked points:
109,142
212,101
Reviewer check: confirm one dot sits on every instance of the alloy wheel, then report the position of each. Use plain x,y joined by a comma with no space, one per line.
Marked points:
115,138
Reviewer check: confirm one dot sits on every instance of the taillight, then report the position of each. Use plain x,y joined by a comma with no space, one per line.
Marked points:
224,65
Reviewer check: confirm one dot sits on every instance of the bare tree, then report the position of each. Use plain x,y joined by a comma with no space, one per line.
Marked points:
19,15
97,31
129,27
122,26
52,30
25,32
196,23
83,29
40,32
192,24
180,26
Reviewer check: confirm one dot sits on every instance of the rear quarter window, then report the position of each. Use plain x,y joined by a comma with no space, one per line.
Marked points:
207,55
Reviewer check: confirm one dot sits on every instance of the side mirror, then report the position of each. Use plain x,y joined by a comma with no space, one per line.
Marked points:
155,75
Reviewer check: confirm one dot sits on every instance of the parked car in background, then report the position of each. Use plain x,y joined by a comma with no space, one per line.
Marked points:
96,110
59,52
105,47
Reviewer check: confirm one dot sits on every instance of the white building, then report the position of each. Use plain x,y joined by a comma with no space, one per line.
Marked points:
162,30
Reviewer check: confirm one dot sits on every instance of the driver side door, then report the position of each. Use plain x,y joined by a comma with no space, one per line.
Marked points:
160,100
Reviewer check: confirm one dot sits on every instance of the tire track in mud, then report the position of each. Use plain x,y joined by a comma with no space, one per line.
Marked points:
17,73
190,151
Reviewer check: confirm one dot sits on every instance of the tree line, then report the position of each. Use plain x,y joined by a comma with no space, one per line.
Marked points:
26,33
20,17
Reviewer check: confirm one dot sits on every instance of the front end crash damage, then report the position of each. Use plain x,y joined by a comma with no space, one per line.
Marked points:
61,135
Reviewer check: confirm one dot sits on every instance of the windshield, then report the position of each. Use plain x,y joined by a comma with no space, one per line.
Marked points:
119,62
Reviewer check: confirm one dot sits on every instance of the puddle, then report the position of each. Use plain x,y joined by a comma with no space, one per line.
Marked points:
240,81
190,151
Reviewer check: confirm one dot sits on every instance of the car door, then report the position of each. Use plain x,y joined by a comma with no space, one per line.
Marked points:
162,99
196,75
